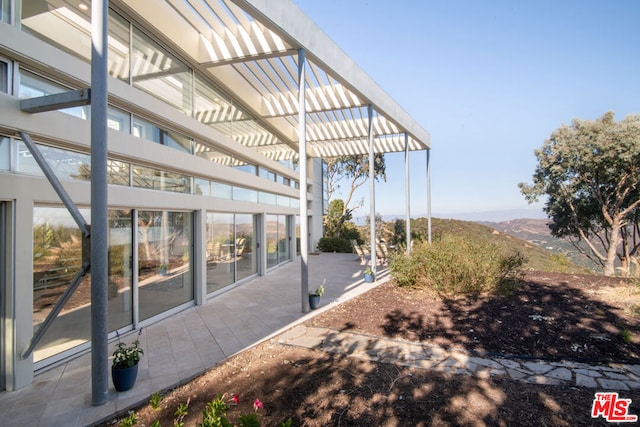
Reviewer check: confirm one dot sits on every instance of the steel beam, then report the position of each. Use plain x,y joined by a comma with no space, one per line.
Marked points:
99,222
372,193
56,101
302,149
407,192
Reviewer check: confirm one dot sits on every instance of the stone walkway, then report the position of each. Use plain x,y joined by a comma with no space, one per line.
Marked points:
408,353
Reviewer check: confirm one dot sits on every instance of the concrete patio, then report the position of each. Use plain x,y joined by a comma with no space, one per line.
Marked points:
189,343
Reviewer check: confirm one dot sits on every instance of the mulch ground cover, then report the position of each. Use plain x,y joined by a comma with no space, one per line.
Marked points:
550,316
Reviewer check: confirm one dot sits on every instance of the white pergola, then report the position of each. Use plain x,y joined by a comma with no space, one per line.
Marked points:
308,96
290,92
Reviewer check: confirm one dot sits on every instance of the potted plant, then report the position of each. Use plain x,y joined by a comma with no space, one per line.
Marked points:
162,269
368,275
314,297
124,369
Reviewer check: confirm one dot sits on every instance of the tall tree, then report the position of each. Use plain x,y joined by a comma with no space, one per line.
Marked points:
590,172
355,170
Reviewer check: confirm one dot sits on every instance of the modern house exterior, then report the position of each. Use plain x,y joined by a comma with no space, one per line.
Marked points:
214,160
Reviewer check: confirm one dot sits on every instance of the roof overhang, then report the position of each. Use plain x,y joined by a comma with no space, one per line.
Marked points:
249,48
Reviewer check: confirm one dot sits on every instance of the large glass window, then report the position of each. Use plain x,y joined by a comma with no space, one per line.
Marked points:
160,74
67,26
284,239
57,257
231,249
120,282
220,251
246,254
165,268
278,240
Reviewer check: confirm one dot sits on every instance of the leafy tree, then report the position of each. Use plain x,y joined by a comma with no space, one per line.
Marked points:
590,172
335,218
355,170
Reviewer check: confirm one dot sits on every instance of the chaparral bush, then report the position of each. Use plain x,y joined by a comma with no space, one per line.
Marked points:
453,265
334,244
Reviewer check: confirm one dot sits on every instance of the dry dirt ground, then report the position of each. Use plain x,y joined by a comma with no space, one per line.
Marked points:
550,316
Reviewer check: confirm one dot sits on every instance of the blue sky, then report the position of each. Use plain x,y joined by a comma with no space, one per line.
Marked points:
490,81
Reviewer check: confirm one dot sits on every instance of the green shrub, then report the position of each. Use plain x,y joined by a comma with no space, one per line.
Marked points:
334,244
453,265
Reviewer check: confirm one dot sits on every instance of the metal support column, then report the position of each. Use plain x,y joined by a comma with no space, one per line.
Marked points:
302,148
407,193
429,193
372,193
99,224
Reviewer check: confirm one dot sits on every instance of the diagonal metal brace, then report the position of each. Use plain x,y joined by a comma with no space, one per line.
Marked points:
56,308
55,182
86,243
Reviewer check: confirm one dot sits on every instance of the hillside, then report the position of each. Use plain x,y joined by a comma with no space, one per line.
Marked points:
536,231
530,237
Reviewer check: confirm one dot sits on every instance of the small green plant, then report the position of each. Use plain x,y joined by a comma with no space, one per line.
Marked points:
126,356
156,399
318,292
368,271
626,335
156,423
181,413
130,420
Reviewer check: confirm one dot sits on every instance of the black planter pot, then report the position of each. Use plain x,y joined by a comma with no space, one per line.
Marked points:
314,301
124,378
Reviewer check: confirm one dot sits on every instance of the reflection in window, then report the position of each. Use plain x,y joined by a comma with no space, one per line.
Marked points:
57,258
118,120
120,302
201,187
160,74
65,164
284,237
247,168
67,26
272,240
4,76
231,249
267,198
283,200
213,109
245,194
32,85
220,251
146,130
221,191
5,153
246,259
156,179
118,173
5,16
165,270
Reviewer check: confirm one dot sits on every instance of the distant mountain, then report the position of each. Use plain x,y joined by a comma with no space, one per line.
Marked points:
537,231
